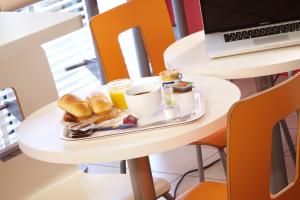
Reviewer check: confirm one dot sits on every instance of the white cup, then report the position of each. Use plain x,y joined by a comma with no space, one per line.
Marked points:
144,100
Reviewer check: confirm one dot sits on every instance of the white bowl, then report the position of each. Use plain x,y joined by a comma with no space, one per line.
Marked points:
144,100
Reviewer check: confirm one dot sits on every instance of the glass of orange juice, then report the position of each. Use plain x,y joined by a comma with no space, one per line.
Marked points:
116,90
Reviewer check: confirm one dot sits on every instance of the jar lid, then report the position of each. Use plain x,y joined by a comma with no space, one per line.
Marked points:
183,87
169,75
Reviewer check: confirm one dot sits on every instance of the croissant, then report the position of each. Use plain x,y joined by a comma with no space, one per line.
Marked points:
99,103
75,106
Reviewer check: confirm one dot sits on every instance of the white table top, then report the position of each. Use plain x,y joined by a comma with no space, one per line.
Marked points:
19,30
39,134
189,55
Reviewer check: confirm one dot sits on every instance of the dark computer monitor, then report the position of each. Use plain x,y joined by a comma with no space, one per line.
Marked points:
226,15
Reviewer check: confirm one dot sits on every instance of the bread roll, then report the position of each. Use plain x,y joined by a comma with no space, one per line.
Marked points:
99,103
75,106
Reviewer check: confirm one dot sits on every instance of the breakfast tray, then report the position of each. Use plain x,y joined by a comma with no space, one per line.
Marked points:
158,121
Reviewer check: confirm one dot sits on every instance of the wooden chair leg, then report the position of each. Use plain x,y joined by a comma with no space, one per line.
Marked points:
223,159
123,166
200,163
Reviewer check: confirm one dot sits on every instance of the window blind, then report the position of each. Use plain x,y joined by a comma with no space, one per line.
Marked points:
8,122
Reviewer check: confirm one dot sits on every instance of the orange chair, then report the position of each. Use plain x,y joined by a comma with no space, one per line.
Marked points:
153,20
107,26
249,147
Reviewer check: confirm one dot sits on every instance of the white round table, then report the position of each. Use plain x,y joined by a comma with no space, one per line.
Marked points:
39,134
189,55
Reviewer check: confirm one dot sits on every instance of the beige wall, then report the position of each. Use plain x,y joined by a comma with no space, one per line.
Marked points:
11,5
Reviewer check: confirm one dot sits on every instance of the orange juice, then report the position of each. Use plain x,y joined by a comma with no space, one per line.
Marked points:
116,92
117,98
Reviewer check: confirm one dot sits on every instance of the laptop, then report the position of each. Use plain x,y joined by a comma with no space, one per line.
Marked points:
240,26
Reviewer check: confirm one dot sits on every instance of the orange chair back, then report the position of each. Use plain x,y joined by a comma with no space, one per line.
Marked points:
250,124
151,16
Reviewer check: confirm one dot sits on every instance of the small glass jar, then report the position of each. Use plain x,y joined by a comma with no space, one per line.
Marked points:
168,79
116,90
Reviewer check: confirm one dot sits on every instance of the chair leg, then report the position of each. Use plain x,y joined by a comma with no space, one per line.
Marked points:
223,159
200,163
288,140
86,170
168,196
123,166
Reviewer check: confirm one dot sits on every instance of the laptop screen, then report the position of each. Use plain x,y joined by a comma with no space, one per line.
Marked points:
226,15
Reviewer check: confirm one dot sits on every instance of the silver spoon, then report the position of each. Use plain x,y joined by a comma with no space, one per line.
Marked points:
77,133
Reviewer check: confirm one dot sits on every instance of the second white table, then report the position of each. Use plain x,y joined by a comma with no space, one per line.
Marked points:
190,56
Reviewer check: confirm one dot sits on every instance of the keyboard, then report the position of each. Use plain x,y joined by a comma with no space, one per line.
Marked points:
260,32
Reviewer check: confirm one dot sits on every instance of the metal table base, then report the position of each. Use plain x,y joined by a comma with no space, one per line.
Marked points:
141,178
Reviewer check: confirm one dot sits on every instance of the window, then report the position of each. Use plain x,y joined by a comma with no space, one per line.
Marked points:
10,119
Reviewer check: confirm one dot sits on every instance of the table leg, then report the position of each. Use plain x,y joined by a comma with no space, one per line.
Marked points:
289,140
179,18
91,7
278,168
141,178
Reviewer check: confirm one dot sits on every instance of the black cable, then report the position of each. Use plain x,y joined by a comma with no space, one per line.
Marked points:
2,107
192,171
275,79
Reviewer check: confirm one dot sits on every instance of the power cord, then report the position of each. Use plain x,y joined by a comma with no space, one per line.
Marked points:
189,172
275,79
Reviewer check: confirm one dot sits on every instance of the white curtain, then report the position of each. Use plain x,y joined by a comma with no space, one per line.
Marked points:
12,5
